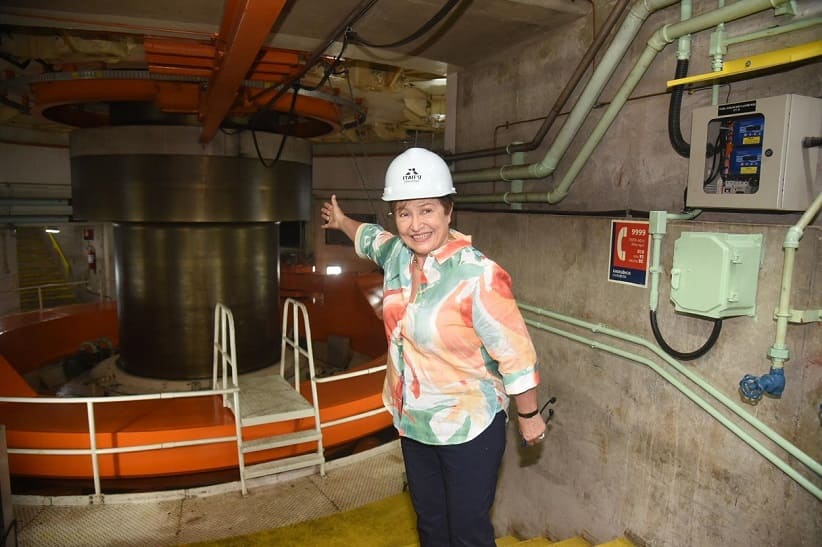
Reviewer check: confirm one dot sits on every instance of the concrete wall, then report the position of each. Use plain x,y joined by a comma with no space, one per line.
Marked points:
29,173
634,167
628,453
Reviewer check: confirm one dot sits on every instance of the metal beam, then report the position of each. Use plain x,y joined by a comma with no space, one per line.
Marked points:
245,27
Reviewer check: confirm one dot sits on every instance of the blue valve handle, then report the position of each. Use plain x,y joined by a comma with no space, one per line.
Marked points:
753,388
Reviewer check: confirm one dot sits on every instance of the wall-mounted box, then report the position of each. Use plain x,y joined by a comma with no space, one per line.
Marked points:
749,155
716,275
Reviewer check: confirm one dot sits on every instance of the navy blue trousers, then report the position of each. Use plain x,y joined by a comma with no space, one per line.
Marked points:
452,487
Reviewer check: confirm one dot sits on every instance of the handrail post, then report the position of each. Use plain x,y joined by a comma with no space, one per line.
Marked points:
295,331
238,431
215,361
225,356
40,298
95,464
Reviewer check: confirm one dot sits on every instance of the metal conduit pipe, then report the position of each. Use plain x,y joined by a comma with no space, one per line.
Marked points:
772,31
636,17
790,246
661,38
658,227
683,55
773,383
614,17
658,221
783,443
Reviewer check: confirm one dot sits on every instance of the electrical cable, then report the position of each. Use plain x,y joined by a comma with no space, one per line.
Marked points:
334,64
716,161
678,142
288,122
617,13
355,15
353,156
685,356
431,23
343,27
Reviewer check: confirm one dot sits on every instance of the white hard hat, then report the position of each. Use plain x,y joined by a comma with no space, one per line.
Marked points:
417,173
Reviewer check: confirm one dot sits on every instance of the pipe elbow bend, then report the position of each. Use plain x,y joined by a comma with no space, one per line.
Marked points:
542,169
556,196
793,237
660,39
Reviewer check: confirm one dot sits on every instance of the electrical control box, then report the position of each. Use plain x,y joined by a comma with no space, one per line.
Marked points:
716,275
749,155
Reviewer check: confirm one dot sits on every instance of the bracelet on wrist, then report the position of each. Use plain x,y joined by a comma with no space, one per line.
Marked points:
528,414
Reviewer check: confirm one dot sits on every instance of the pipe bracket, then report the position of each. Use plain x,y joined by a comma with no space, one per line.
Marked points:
502,173
800,317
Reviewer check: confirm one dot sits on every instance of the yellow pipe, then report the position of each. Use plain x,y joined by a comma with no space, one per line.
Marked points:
753,63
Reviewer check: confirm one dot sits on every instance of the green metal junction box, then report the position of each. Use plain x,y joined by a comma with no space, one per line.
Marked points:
716,275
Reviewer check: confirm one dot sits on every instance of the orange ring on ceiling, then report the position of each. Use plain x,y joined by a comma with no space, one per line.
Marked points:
56,101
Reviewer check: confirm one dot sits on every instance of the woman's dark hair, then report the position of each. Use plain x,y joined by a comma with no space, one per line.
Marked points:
446,201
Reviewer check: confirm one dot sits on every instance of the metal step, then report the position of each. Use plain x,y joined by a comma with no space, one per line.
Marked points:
274,417
280,466
269,398
276,441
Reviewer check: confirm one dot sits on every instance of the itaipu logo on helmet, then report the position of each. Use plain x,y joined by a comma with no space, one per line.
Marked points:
411,175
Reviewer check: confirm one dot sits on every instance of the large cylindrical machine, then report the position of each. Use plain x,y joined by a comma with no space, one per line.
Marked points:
194,225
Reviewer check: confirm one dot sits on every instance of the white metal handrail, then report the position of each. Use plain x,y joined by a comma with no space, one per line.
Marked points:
298,310
345,376
93,451
294,342
39,289
225,352
225,358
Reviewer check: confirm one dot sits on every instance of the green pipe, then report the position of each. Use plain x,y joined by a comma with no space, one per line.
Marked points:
717,62
657,223
657,227
717,55
683,52
773,31
662,37
778,353
636,17
739,432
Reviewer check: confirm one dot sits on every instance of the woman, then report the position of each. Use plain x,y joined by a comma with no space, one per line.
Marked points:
458,348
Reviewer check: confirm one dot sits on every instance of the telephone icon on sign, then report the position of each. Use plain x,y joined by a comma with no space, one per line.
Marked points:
623,232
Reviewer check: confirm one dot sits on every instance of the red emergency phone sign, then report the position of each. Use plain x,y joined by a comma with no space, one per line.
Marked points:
630,241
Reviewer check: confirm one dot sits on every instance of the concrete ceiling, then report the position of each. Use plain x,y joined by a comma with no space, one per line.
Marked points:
403,90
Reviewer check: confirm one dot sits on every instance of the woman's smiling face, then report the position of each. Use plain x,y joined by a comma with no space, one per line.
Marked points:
422,224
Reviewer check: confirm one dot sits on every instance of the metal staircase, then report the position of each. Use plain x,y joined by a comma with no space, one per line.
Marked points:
37,266
269,398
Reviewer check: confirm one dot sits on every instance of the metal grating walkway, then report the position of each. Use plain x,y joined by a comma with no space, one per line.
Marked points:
180,517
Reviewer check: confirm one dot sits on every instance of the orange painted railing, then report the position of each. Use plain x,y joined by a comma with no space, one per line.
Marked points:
28,341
